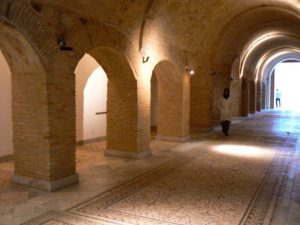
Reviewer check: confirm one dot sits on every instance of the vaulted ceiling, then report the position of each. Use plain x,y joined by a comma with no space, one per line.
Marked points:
217,30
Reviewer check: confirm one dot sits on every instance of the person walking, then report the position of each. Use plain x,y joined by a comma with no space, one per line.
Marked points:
225,105
278,98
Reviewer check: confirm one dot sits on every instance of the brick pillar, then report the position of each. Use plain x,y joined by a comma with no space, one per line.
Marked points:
245,98
44,130
201,104
272,91
128,118
252,102
263,96
235,95
173,110
258,97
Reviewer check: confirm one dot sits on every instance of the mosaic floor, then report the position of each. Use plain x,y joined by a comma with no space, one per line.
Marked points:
251,177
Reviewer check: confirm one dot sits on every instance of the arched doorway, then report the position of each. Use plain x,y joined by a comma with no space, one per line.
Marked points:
286,81
6,133
39,154
170,102
125,133
91,97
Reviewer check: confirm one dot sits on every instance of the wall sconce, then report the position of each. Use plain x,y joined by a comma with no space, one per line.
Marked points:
212,72
62,44
144,55
189,70
145,59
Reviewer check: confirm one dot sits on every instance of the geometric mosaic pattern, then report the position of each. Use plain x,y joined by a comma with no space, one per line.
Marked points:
200,186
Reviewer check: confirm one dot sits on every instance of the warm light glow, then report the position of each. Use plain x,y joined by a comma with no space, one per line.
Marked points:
254,45
269,60
241,150
266,60
192,72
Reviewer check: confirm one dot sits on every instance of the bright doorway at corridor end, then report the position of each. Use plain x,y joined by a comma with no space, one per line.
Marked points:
287,81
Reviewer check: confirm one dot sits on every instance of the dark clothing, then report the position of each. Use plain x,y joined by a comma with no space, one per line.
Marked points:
225,126
278,102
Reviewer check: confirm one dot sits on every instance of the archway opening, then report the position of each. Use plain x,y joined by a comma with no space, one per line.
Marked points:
91,97
29,115
170,96
6,133
287,79
125,133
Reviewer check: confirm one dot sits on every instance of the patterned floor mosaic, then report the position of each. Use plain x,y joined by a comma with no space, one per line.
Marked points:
206,188
216,180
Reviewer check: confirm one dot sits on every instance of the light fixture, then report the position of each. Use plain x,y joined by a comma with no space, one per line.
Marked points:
189,70
212,72
62,44
144,55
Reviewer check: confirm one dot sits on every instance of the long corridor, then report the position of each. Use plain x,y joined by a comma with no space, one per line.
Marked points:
251,177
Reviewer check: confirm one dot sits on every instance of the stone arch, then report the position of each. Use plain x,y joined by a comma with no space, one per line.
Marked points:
173,106
126,131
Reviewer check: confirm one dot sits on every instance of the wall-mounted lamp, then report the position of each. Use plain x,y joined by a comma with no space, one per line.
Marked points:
144,55
189,70
145,59
62,44
212,72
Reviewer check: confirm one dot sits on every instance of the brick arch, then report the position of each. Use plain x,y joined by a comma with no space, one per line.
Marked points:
245,26
173,102
29,78
96,35
125,134
43,141
266,69
23,18
114,63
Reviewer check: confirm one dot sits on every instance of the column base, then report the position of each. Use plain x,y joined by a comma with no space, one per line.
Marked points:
125,154
173,139
44,184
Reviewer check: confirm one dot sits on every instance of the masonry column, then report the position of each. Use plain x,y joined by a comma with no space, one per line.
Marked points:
44,130
258,97
173,110
245,98
201,103
252,97
128,118
263,96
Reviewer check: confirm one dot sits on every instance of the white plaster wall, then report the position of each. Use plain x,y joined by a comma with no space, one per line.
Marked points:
91,97
6,144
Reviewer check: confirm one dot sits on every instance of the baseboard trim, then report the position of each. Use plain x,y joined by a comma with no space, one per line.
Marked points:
6,158
92,140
